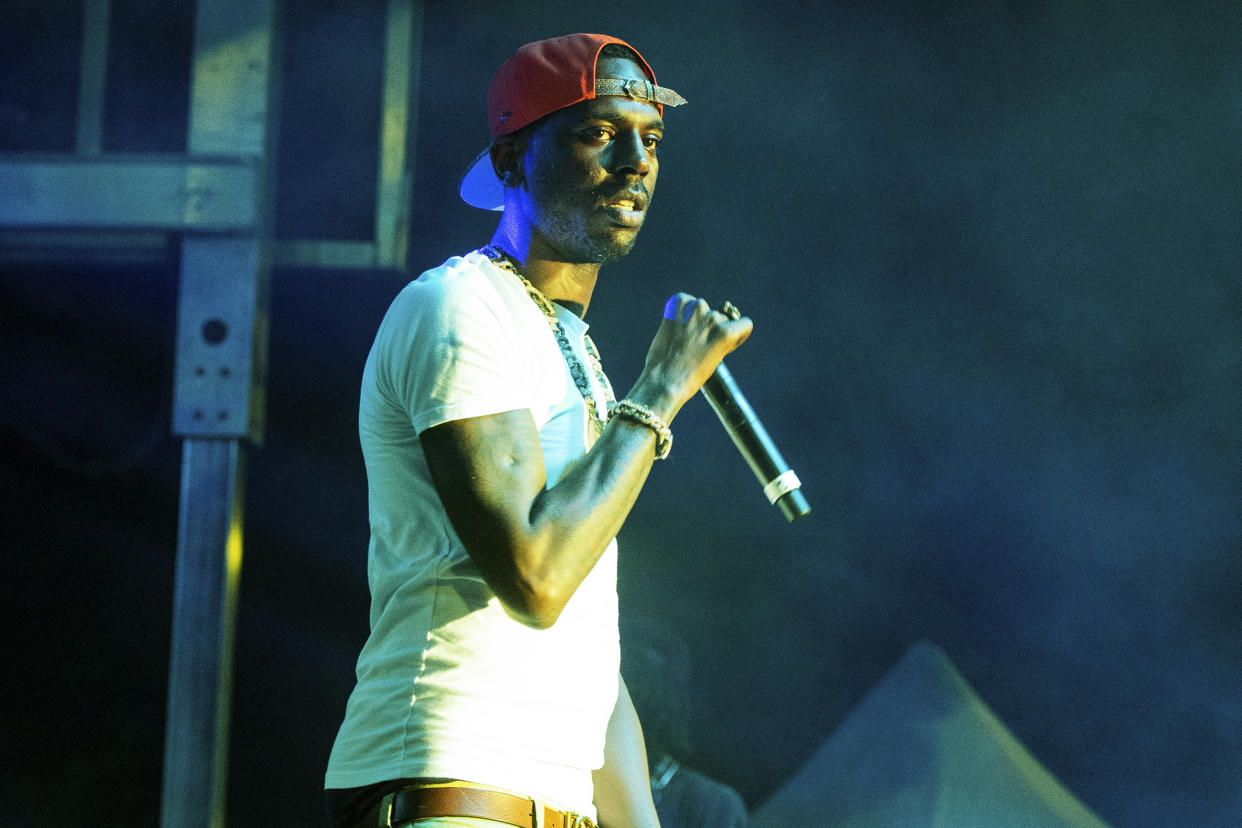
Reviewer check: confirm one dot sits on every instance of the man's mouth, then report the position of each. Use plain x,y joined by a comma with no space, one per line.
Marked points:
630,200
624,213
626,208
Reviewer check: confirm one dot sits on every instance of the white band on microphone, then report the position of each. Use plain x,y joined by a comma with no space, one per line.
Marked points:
781,485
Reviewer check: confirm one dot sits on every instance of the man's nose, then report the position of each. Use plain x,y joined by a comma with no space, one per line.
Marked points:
629,154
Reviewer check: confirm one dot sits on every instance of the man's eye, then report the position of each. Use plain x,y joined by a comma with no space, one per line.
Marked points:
652,142
597,134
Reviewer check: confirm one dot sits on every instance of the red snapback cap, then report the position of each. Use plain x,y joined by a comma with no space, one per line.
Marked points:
541,78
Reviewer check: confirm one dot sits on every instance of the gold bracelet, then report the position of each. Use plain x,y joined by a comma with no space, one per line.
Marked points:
643,415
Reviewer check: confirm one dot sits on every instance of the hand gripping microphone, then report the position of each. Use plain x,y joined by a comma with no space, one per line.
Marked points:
779,482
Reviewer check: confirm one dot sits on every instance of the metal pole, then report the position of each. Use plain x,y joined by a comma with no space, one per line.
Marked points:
208,574
95,18
218,396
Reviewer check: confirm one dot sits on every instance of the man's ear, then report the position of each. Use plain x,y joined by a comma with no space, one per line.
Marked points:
507,161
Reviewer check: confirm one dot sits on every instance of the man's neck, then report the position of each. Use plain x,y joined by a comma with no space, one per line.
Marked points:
568,284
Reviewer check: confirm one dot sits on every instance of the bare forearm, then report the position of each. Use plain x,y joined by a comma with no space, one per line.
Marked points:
572,522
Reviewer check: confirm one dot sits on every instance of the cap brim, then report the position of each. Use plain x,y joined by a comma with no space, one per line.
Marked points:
480,187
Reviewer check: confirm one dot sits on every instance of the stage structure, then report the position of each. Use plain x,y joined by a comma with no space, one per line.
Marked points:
923,750
215,202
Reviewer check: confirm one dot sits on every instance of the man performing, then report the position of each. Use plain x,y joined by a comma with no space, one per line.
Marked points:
500,469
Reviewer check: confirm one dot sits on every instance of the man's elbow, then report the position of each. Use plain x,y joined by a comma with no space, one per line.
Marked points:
537,617
533,603
525,579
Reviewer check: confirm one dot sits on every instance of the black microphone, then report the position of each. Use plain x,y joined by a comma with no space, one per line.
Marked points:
779,482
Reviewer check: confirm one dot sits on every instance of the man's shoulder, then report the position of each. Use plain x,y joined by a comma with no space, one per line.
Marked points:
472,271
469,278
466,295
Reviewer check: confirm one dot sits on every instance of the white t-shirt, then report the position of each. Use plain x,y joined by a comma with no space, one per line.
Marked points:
449,685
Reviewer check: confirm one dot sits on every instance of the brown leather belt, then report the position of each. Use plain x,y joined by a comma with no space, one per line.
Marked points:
424,802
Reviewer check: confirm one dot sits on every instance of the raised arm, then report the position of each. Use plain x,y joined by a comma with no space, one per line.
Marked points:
533,544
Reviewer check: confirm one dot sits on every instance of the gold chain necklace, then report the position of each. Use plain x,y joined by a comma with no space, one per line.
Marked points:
598,418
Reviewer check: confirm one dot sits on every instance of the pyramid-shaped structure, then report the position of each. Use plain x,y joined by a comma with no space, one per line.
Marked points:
922,750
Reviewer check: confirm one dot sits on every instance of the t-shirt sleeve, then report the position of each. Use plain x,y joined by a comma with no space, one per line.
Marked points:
450,349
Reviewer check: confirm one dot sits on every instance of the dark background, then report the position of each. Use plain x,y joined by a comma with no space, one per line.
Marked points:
992,252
